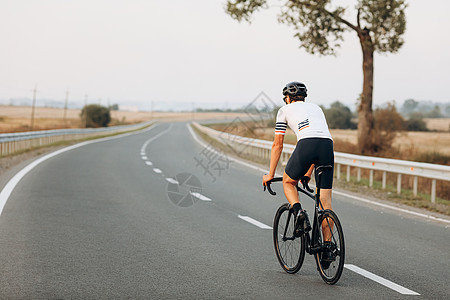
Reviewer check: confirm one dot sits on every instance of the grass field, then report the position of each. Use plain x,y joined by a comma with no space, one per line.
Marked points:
18,118
406,141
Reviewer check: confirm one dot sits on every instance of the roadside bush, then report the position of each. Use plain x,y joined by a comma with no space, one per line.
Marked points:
416,123
94,115
387,123
339,116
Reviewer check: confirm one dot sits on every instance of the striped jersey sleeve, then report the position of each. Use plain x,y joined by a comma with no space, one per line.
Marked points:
281,124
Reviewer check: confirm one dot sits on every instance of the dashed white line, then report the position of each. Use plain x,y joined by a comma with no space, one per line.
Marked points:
171,180
149,163
144,147
144,157
9,187
201,197
156,170
381,280
254,222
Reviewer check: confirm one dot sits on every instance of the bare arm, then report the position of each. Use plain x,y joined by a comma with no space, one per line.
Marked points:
275,154
277,149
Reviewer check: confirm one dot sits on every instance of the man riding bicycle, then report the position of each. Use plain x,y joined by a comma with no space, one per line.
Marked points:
314,147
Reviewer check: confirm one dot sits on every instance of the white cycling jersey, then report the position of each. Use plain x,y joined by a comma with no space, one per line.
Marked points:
304,118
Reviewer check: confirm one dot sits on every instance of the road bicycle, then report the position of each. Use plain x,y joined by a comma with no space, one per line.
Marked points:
290,248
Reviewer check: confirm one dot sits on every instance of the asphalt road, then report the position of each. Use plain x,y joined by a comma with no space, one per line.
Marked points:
108,221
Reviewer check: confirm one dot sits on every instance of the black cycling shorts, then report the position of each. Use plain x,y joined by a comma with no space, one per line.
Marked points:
317,151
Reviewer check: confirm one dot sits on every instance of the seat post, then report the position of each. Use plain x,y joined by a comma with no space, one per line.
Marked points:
318,173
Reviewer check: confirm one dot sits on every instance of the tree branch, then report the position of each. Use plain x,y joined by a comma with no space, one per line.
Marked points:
358,19
336,17
339,19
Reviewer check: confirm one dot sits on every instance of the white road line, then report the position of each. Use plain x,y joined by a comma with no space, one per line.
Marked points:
9,187
254,222
381,280
171,180
144,147
392,207
201,197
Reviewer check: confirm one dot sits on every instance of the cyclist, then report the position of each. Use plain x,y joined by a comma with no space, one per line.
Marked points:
314,147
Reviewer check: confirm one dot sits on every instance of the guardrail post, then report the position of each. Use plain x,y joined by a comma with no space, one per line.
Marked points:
433,191
348,173
371,178
338,171
415,186
358,176
399,183
383,186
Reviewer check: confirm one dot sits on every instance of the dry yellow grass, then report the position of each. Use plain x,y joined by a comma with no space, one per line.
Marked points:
419,141
411,141
442,124
18,118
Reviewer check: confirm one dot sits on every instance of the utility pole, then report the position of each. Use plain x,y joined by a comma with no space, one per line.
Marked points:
65,106
32,107
85,110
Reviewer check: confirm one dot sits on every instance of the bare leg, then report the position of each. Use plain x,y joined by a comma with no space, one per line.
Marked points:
325,198
290,189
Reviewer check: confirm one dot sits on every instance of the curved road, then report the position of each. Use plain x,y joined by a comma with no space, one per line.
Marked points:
110,220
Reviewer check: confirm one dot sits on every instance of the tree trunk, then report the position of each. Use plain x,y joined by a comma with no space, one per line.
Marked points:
365,115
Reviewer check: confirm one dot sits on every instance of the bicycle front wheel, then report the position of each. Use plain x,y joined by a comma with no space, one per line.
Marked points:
330,260
290,250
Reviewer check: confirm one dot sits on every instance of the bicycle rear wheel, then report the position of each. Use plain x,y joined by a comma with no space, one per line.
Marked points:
290,250
330,269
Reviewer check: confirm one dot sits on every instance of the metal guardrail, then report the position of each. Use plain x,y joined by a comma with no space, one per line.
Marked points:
14,142
262,148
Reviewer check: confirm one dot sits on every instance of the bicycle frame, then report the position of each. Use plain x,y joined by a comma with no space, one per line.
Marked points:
312,246
325,241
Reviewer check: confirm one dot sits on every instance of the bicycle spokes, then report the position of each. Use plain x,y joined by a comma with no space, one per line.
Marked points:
330,260
327,229
289,249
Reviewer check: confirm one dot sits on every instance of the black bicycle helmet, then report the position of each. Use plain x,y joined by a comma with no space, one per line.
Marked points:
294,90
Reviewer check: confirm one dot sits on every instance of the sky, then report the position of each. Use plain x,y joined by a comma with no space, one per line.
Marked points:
182,54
